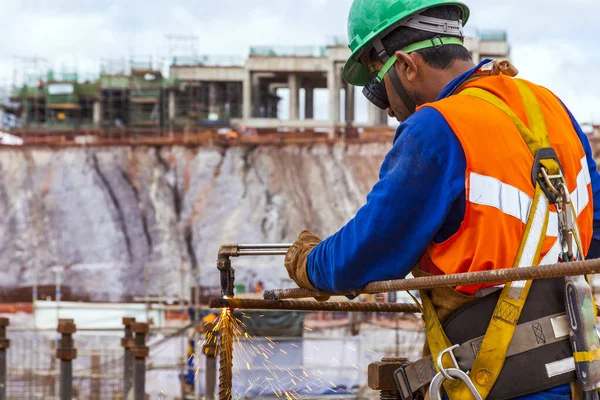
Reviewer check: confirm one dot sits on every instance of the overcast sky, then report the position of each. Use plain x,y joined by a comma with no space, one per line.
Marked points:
554,43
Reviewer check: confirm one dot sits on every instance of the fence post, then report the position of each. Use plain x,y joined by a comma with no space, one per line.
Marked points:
127,342
140,352
96,384
210,349
66,353
4,344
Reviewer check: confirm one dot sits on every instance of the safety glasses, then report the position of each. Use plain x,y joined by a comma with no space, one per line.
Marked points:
374,90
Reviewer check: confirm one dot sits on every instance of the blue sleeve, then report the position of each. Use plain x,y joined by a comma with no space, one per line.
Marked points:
594,175
420,178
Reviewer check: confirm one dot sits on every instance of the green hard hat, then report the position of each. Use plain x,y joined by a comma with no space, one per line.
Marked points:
369,18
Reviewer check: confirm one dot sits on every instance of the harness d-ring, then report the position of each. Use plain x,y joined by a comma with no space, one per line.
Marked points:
440,361
435,390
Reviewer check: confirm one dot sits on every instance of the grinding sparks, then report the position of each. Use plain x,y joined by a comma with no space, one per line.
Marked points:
261,363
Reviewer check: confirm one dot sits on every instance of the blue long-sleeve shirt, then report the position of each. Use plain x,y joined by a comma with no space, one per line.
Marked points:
420,198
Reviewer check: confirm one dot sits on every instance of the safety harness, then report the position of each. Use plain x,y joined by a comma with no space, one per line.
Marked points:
497,344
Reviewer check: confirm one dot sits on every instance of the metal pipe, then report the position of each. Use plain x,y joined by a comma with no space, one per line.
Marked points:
211,377
127,342
209,348
139,372
265,246
257,253
4,345
66,379
470,278
257,304
140,352
66,352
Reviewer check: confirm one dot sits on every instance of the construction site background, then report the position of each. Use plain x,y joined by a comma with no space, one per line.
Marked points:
190,98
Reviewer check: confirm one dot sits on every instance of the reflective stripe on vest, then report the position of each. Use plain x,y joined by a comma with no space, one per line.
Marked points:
489,191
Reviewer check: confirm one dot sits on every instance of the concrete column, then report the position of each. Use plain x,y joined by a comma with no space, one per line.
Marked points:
256,97
377,116
333,86
349,103
171,105
127,342
213,104
4,345
24,113
294,97
309,103
97,112
247,95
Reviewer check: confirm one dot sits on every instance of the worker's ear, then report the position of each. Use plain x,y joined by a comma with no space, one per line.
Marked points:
406,66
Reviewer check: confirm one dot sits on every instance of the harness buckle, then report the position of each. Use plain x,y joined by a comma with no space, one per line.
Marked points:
439,44
548,183
403,384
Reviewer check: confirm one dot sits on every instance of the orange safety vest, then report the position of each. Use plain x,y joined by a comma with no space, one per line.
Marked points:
499,187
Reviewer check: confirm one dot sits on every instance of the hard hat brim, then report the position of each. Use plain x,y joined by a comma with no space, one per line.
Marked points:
356,73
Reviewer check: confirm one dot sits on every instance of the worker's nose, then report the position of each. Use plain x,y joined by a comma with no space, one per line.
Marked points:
390,112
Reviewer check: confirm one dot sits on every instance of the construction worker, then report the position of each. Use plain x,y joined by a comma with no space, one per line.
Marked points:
470,184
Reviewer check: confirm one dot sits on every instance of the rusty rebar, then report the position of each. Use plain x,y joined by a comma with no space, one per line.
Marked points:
226,358
4,345
140,352
127,342
66,352
471,278
294,305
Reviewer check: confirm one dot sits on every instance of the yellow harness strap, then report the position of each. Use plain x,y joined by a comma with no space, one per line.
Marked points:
492,353
537,137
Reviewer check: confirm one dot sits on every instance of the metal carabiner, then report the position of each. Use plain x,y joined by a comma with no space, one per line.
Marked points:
565,221
564,192
450,374
435,389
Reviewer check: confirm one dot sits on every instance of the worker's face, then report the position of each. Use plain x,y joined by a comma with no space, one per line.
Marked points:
407,74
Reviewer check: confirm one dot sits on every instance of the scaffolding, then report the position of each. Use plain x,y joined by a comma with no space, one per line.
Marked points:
34,371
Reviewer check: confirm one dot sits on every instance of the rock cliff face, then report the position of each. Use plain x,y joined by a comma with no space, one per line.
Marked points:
107,213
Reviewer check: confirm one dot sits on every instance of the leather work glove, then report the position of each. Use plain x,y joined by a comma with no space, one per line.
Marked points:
295,260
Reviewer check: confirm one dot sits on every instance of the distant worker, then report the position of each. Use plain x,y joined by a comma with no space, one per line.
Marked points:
259,287
482,169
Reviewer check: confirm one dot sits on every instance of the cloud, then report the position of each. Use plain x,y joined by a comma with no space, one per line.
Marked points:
553,42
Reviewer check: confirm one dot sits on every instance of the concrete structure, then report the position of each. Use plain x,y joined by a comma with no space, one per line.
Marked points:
206,92
268,69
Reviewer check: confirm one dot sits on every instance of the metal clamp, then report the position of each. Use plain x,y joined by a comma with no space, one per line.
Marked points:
435,390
